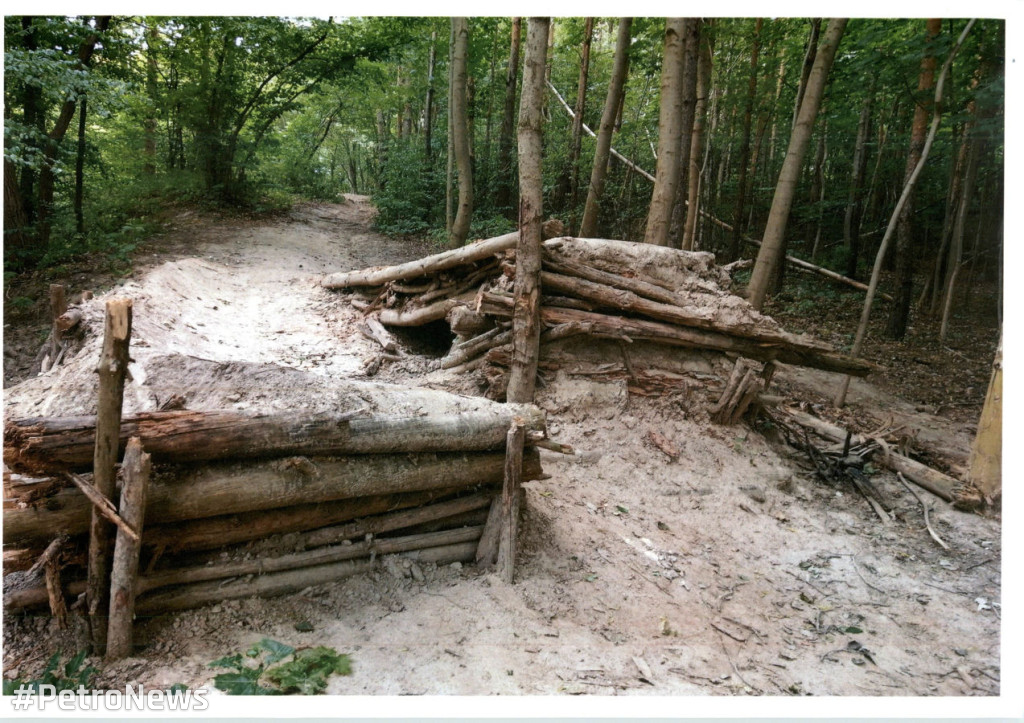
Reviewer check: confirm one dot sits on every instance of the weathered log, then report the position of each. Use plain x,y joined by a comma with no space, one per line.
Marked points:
376,332
418,316
112,368
69,319
466,322
279,583
470,253
213,532
510,501
617,327
135,469
472,351
487,549
234,488
923,476
39,444
271,576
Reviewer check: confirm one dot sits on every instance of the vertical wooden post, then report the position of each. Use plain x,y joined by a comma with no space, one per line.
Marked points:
487,548
58,305
112,368
986,465
510,499
135,469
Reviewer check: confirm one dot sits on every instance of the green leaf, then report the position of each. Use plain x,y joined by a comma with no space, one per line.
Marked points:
307,674
278,651
177,689
243,682
228,661
853,630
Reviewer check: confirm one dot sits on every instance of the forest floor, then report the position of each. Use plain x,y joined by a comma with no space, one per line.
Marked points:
728,571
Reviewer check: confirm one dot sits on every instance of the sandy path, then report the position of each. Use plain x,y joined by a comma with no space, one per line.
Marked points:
727,572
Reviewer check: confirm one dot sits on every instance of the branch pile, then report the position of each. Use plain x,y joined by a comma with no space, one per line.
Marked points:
603,289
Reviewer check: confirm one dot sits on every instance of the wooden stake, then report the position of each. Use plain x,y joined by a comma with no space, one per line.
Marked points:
487,549
510,500
135,470
112,368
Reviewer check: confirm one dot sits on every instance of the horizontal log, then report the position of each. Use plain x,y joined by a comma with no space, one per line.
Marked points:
41,444
617,327
923,476
229,489
420,315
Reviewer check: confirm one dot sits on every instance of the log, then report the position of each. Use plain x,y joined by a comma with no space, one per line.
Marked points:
55,592
380,335
470,253
466,322
41,444
617,327
135,468
828,274
487,549
472,351
213,532
279,583
69,319
112,368
227,489
419,316
510,502
923,476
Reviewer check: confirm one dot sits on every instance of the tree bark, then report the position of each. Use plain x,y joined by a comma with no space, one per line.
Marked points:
47,444
659,215
80,170
112,369
855,200
510,502
687,120
986,462
526,317
567,186
149,124
744,159
503,197
136,469
770,254
428,120
461,131
957,239
592,209
696,142
805,72
226,489
899,314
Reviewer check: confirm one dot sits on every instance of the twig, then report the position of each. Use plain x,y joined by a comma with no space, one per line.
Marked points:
853,559
50,553
104,506
927,522
809,584
979,564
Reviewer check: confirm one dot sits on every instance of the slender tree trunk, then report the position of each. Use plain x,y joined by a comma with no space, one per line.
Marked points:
985,470
80,170
899,315
503,198
526,311
934,296
769,256
696,141
568,180
33,117
689,112
805,72
149,125
591,211
957,239
741,179
855,200
663,196
449,184
779,82
428,124
817,196
461,131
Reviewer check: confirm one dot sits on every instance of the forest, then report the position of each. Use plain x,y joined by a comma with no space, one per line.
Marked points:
595,355
109,118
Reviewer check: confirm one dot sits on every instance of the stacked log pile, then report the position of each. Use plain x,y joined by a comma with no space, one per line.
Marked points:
348,487
592,288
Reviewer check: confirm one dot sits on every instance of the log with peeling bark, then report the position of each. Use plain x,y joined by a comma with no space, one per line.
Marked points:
923,476
376,331
468,323
510,502
470,253
418,316
182,588
41,444
226,489
618,327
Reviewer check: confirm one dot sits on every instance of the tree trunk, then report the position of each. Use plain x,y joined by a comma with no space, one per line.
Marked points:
428,120
899,315
817,194
591,211
687,119
567,186
112,369
933,298
449,183
80,171
986,465
659,216
805,73
461,131
526,317
770,254
149,124
696,142
503,197
855,201
741,177
957,239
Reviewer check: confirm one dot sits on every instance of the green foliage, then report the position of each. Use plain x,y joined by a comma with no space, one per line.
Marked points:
70,676
306,673
407,200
